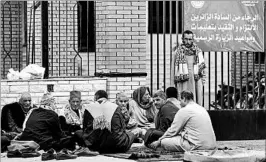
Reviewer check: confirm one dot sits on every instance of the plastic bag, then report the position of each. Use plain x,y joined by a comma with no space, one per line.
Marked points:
35,71
12,75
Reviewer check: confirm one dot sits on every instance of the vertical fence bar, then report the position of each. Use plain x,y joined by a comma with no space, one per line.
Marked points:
151,43
235,86
88,15
215,75
95,60
158,45
247,85
59,38
259,78
264,56
66,38
182,14
171,31
164,55
25,31
203,86
209,76
177,29
74,35
52,39
241,92
28,58
45,52
228,81
253,78
33,36
222,80
19,33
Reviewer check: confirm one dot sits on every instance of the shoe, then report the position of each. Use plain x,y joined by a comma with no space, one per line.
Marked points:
30,154
65,154
84,151
14,154
49,155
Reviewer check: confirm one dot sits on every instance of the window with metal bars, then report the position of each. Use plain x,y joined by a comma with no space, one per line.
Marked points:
86,29
154,10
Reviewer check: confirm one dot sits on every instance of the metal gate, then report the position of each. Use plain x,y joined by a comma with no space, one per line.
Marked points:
235,80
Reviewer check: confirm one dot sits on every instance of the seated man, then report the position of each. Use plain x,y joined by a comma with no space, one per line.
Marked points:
131,125
172,96
191,129
105,126
13,115
42,126
73,112
164,119
122,101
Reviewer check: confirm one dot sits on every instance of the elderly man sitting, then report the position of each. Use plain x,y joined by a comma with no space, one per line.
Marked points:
13,115
105,126
73,113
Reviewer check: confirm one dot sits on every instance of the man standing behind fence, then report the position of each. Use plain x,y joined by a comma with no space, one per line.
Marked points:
187,72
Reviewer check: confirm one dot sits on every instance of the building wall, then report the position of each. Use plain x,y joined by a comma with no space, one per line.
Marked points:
11,90
121,36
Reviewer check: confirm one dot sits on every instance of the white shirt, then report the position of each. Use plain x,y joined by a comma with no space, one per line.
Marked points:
193,123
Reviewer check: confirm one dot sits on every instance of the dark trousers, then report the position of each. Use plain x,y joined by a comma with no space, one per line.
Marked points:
152,135
4,143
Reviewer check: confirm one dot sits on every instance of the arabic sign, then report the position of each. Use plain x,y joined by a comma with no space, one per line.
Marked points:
226,25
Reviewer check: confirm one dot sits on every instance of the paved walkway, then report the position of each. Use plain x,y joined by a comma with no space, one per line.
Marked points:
256,145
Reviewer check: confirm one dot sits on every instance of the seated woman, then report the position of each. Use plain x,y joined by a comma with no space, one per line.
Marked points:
105,127
142,108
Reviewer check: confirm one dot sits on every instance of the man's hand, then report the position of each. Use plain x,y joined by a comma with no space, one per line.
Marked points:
154,145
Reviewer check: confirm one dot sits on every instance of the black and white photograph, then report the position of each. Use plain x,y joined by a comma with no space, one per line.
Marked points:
132,80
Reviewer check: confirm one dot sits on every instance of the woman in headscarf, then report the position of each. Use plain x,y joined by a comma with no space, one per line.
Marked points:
142,108
105,126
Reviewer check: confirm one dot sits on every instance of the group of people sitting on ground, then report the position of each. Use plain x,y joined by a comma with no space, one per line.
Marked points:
161,121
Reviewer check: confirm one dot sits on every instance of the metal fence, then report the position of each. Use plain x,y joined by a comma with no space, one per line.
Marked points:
61,36
58,35
235,80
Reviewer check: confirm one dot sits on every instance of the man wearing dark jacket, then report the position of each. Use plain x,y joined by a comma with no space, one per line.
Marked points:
13,115
164,118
